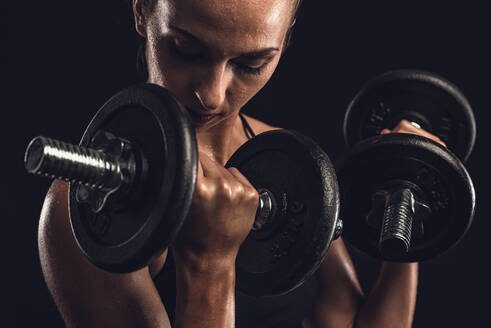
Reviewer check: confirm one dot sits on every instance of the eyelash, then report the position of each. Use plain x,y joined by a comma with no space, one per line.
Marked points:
242,68
183,55
250,70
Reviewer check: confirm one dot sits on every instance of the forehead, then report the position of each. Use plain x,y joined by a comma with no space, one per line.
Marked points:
243,21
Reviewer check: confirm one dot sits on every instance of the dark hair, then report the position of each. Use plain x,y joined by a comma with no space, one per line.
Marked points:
141,59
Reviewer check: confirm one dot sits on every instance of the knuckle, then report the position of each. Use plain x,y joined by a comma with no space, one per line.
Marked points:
203,189
239,189
252,194
224,187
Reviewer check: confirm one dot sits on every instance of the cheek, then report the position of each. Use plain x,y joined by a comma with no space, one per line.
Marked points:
243,88
165,70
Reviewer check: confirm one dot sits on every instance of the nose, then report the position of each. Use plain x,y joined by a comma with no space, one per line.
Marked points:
211,89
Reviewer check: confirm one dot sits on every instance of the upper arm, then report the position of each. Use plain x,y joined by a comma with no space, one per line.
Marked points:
340,294
86,295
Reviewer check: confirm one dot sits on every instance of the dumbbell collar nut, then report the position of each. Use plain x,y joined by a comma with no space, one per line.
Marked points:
122,154
265,209
398,212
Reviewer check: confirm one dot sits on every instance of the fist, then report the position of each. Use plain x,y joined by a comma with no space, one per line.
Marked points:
221,215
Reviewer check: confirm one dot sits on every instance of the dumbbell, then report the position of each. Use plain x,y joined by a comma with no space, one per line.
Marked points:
404,197
132,180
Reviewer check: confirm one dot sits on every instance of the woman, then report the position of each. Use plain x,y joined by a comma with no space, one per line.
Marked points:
214,55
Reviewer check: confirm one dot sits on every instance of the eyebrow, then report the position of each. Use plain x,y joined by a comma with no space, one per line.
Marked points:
252,54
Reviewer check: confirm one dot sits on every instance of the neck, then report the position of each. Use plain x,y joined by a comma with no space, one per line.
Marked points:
220,141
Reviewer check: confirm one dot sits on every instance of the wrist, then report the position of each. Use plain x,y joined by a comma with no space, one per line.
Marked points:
400,267
193,281
205,292
201,262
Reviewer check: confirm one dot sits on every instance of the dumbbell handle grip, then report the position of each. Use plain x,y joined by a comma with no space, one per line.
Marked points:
61,160
99,170
397,222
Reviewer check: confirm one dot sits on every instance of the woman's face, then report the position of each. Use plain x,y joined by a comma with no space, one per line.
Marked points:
214,55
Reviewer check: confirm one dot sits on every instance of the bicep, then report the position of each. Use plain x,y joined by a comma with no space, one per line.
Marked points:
85,294
340,293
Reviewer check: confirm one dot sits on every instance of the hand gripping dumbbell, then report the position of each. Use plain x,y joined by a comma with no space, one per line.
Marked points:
405,197
132,180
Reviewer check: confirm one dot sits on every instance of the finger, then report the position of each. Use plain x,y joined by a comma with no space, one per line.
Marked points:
239,176
200,170
213,169
209,166
385,131
405,126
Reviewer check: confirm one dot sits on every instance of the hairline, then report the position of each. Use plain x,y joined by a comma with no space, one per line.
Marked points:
150,6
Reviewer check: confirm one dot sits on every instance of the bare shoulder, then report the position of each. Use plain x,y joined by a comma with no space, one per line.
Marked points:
259,126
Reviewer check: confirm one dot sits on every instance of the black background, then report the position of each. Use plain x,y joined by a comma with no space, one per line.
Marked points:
62,59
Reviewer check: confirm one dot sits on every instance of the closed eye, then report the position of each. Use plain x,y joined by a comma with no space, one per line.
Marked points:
250,69
190,48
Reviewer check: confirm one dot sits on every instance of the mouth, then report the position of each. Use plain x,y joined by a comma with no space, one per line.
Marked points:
199,119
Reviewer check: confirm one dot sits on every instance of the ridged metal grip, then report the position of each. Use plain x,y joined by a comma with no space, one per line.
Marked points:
65,161
395,235
265,209
100,171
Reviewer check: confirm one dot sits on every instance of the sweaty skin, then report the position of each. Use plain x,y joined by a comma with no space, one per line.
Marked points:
214,55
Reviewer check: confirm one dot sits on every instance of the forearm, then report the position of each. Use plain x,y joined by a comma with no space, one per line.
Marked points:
392,300
205,296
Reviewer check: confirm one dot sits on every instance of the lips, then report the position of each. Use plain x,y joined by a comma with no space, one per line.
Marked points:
200,118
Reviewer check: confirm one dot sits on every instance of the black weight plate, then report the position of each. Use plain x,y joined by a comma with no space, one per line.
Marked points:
440,175
424,98
280,256
128,239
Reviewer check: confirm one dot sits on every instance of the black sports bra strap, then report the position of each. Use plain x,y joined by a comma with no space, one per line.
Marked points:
247,128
